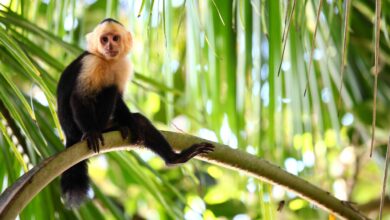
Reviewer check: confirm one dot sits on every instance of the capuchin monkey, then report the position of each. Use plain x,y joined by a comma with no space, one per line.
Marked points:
90,102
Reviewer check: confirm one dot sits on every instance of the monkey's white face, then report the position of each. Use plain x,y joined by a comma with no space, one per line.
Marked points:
110,45
110,41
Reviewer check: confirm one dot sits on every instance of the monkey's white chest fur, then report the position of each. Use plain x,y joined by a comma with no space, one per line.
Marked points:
97,73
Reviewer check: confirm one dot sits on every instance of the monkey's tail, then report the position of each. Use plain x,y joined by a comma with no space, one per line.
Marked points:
75,185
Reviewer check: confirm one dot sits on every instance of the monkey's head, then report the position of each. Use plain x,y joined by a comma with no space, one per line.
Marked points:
109,40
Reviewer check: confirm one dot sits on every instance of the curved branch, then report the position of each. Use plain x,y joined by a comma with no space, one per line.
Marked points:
17,196
373,205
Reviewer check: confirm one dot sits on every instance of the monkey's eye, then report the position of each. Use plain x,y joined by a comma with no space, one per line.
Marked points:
104,39
115,38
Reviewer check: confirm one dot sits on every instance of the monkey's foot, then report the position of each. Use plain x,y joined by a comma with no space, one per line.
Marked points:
92,138
134,137
125,131
187,154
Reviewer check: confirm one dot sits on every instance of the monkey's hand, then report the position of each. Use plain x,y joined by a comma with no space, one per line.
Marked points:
93,138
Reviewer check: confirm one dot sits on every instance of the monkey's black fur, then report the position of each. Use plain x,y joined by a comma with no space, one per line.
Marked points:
86,116
110,20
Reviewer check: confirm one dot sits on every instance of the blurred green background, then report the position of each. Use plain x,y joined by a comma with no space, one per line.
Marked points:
207,68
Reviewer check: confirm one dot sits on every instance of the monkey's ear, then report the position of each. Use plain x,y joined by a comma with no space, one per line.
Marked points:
91,44
129,41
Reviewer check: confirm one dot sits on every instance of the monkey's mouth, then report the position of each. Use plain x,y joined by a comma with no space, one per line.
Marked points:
112,53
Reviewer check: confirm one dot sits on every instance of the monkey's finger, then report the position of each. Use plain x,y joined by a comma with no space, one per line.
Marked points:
96,145
89,144
101,139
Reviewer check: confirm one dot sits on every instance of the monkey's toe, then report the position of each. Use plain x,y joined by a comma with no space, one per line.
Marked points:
201,148
187,154
125,131
135,135
205,151
205,148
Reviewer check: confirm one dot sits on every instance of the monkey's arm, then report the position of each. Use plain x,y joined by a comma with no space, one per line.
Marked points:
92,114
83,111
84,115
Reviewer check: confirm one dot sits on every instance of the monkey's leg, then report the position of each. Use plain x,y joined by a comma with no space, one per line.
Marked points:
125,121
155,141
